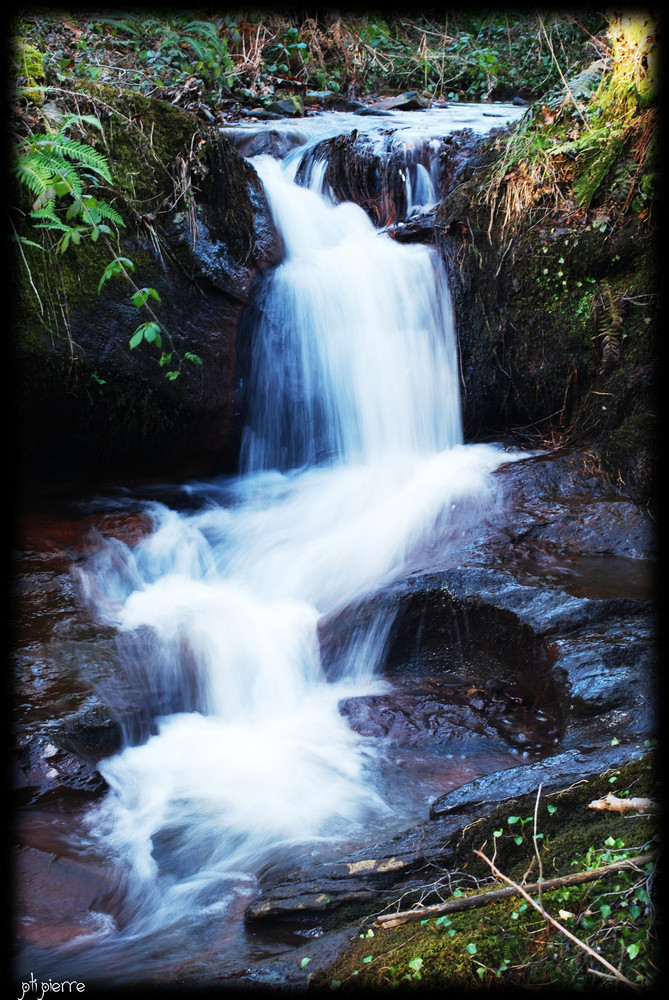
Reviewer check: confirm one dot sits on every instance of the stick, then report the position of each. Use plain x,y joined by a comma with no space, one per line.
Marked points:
613,803
558,926
483,898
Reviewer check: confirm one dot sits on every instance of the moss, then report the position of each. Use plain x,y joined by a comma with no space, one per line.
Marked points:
508,943
142,137
29,64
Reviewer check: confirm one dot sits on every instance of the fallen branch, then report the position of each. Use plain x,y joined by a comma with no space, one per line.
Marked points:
484,898
614,804
616,973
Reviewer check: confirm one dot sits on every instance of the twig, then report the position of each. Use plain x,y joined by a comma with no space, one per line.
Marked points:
557,925
614,804
534,841
491,896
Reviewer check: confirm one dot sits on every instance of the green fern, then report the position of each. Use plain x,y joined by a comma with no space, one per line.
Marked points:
49,165
55,166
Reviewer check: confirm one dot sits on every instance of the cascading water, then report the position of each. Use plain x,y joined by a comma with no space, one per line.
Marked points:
353,473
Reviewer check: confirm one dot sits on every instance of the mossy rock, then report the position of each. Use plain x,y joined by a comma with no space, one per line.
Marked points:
507,943
528,303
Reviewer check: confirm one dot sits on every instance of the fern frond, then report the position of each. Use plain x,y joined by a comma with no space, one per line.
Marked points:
107,211
81,152
31,175
76,119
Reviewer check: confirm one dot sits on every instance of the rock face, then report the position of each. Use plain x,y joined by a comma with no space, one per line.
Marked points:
377,172
87,406
528,293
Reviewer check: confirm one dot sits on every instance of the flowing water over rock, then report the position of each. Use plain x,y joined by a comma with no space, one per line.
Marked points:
247,744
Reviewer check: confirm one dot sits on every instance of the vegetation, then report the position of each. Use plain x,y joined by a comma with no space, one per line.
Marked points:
600,127
197,60
509,942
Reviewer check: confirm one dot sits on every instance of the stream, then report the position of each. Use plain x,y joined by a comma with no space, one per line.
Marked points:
242,750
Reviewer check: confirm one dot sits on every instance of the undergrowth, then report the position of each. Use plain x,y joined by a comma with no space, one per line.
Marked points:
594,141
196,59
508,942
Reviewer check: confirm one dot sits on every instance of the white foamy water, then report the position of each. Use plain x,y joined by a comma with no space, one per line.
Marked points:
354,473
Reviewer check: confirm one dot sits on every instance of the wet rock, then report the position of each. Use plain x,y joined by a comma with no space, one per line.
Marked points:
553,591
42,772
379,172
289,107
56,897
276,142
429,712
287,971
551,774
360,880
411,100
328,100
92,735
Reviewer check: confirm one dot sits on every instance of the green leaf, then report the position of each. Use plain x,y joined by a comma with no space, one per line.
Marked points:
28,243
368,958
416,964
305,961
142,294
633,949
471,948
116,267
189,356
551,808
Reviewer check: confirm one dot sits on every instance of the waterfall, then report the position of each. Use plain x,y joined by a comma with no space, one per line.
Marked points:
353,473
355,354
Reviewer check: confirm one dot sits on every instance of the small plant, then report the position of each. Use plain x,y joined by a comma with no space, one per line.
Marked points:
56,169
